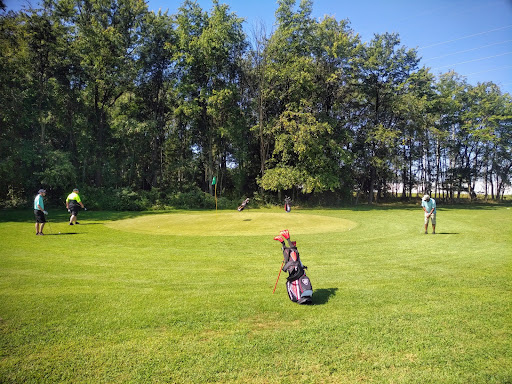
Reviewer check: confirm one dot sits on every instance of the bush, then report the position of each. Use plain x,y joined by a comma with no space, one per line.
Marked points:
126,199
197,199
112,199
15,199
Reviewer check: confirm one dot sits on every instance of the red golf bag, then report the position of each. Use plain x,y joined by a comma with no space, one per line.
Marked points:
298,285
287,204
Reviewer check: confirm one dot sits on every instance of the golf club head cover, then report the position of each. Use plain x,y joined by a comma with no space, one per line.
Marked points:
286,234
280,239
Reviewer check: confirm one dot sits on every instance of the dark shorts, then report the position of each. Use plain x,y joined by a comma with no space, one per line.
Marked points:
74,209
39,216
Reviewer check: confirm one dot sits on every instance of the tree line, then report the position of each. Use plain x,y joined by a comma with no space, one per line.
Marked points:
109,95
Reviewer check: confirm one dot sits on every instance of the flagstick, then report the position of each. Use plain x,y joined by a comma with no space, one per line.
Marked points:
214,183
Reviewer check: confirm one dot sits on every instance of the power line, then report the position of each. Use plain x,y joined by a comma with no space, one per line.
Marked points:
467,50
490,70
471,61
465,37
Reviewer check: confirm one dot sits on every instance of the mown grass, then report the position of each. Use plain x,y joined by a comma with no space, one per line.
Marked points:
110,302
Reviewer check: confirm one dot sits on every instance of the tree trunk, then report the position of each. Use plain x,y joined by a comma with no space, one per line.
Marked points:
371,184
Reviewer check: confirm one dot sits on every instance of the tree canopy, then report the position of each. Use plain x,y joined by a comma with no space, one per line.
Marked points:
107,94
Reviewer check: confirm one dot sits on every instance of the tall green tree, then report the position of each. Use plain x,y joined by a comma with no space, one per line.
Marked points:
384,69
416,148
304,156
34,113
143,116
306,152
487,113
107,36
16,151
209,62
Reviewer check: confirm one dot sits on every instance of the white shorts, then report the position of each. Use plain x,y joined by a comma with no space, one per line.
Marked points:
432,218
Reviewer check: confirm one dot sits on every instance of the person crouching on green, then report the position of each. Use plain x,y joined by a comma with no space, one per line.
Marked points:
73,204
429,207
39,212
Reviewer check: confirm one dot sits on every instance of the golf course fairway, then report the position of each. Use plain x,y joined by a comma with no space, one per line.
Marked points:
188,297
232,223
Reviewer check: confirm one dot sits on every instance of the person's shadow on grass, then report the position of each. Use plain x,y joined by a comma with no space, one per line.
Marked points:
322,296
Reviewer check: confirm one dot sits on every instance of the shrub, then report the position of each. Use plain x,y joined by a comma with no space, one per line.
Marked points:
126,199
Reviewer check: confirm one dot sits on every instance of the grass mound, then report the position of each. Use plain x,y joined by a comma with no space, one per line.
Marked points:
245,223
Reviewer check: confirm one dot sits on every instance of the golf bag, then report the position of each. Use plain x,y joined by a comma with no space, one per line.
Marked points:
298,285
287,204
241,207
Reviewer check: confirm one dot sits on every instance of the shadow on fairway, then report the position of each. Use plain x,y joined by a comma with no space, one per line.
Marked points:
62,234
27,216
447,233
322,296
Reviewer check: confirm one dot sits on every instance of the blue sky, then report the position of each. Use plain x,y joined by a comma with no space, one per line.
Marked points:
472,37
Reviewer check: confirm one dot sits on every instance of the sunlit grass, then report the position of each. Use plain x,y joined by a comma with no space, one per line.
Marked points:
226,223
115,300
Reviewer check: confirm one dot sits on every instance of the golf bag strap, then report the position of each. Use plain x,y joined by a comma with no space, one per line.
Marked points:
296,273
290,265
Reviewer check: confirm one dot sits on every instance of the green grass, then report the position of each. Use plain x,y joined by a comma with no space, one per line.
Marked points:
186,297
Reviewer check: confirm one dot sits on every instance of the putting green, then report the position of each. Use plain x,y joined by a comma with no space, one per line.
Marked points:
232,223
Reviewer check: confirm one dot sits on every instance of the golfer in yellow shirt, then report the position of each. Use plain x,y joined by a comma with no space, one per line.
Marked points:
73,204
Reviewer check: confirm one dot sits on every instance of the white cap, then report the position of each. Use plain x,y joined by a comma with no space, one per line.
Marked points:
426,197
